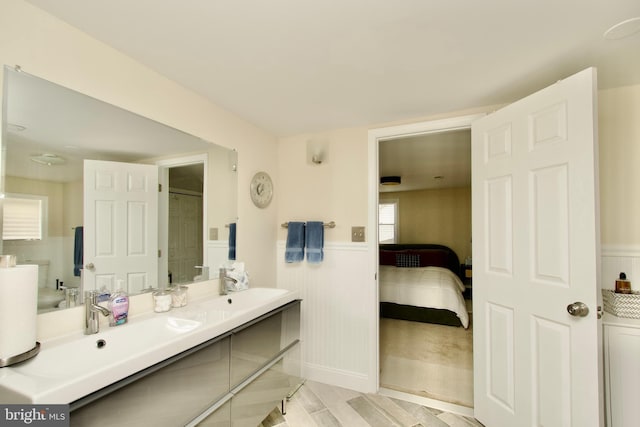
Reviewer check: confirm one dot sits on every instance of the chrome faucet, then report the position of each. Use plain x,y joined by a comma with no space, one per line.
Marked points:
223,280
91,310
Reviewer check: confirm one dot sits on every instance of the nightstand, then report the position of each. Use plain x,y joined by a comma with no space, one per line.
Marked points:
466,271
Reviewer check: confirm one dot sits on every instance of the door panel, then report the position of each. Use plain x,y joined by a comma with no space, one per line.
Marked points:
120,217
536,250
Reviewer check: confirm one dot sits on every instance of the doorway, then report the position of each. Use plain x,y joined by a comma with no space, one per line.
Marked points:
185,223
182,218
421,338
423,351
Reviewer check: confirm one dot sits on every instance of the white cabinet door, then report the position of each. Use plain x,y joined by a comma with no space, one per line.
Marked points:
622,375
535,251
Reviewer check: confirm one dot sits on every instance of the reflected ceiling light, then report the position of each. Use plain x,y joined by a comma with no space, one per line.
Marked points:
48,159
623,29
390,180
15,128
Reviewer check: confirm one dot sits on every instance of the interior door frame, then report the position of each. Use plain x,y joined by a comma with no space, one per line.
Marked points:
374,137
163,207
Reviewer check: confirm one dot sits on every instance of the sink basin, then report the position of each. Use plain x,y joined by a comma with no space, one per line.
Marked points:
88,353
75,366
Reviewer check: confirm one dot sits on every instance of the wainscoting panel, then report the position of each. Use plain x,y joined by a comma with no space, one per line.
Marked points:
338,298
617,259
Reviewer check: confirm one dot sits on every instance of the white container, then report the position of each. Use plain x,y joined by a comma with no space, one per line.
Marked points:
161,301
18,312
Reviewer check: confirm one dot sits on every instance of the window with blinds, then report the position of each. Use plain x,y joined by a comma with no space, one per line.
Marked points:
387,222
23,218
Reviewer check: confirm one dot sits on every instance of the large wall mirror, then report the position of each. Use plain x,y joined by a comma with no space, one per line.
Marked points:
99,197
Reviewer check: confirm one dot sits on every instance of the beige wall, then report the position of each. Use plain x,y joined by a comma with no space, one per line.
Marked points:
619,138
47,47
441,216
337,190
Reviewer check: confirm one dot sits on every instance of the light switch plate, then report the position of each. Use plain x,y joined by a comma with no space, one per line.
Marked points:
213,233
357,234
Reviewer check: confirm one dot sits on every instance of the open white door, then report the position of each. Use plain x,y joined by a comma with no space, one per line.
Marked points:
120,225
535,252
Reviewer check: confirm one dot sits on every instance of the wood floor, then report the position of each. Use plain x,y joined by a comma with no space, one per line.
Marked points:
317,404
427,360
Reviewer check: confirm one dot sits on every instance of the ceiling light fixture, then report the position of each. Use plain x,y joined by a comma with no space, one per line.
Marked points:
623,29
48,159
390,180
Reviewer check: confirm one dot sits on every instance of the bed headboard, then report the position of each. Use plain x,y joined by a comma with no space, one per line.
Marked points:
419,255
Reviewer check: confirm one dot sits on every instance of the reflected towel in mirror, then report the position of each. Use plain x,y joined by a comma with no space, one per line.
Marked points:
232,241
77,251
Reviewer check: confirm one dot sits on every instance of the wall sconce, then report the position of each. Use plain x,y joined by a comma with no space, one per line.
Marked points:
317,151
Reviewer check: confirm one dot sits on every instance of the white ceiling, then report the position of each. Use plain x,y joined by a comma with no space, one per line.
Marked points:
303,66
429,161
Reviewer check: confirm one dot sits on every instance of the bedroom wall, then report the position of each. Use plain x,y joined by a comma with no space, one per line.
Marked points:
440,216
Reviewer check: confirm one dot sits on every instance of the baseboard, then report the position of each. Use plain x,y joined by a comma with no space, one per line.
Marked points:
337,377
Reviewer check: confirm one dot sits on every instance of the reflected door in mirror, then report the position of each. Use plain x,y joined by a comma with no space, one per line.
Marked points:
121,226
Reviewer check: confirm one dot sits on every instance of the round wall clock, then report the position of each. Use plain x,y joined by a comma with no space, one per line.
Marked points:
261,189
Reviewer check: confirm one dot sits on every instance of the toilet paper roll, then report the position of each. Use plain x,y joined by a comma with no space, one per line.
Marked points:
18,309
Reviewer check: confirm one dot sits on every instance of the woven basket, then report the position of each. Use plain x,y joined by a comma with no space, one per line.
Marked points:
621,305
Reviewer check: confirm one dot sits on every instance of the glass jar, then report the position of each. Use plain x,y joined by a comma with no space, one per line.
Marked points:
179,296
161,301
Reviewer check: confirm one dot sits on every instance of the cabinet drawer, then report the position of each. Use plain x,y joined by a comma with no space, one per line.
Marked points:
255,346
170,396
250,405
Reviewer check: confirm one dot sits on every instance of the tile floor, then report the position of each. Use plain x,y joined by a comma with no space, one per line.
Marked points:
317,404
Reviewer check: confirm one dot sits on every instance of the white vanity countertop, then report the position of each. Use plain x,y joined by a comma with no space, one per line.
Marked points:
72,367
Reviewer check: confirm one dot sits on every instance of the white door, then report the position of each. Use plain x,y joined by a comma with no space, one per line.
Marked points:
185,236
120,225
535,251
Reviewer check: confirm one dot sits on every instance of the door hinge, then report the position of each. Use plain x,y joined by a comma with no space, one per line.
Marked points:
159,253
159,188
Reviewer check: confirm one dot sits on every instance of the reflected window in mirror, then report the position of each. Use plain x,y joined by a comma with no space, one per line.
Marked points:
24,217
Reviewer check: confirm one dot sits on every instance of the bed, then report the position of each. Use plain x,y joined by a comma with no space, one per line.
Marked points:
420,282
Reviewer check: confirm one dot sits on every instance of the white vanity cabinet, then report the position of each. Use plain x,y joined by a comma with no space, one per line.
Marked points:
622,371
235,379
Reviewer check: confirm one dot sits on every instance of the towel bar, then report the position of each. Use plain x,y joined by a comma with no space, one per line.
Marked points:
331,224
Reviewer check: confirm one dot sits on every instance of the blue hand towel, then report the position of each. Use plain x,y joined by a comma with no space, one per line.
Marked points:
78,251
295,242
232,241
315,241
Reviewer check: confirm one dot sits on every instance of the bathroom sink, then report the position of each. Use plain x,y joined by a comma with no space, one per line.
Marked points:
236,302
93,352
75,366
